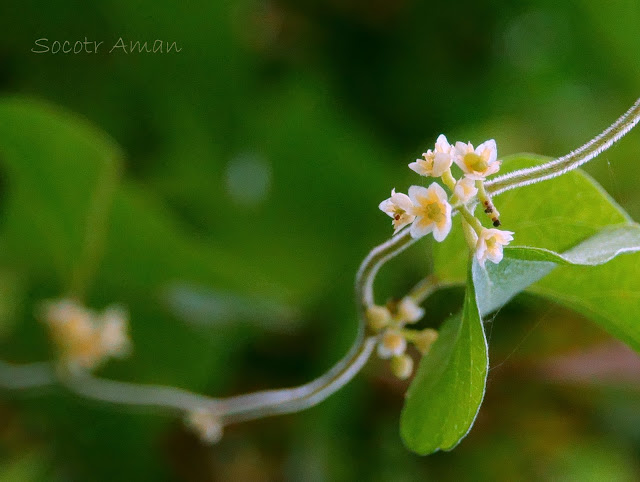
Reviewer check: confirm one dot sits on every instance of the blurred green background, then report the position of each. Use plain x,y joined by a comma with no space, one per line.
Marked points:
252,164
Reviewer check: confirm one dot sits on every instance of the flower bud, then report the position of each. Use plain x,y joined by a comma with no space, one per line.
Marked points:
408,311
378,317
425,339
205,424
402,366
391,344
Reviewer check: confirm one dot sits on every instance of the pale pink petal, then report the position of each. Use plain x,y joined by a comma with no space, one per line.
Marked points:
442,144
401,200
437,188
416,193
442,161
419,167
489,145
387,207
441,232
421,228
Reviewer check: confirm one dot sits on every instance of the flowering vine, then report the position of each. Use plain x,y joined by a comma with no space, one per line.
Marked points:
85,339
428,210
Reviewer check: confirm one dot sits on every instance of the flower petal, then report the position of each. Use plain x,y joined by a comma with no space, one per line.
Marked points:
416,193
401,200
492,149
421,227
441,162
442,144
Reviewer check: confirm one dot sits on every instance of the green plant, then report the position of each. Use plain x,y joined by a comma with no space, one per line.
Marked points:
569,237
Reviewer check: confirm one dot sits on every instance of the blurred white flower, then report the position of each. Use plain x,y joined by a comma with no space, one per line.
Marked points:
205,424
432,211
479,163
490,244
408,311
85,339
435,162
465,189
113,332
398,207
392,344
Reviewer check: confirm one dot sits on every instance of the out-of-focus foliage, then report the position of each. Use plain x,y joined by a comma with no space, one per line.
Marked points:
252,165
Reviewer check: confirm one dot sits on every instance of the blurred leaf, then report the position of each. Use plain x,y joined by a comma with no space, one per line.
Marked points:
206,308
445,396
12,297
27,467
61,176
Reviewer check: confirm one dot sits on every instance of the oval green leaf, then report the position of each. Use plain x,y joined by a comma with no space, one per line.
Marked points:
445,396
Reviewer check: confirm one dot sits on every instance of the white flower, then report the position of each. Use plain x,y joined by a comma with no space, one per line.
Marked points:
479,163
408,311
399,207
205,424
392,344
432,211
84,339
435,162
490,243
465,189
113,334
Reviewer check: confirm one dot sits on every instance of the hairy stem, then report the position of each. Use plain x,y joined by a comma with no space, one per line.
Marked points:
571,161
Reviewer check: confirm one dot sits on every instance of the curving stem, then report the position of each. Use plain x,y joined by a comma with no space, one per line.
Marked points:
571,161
236,408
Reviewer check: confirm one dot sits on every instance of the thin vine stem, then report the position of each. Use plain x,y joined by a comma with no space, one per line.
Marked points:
235,408
272,402
26,376
571,161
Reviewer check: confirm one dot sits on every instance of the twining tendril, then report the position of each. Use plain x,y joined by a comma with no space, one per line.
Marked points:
570,161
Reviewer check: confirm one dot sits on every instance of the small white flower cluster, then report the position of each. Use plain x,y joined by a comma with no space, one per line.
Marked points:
389,321
86,339
205,424
429,209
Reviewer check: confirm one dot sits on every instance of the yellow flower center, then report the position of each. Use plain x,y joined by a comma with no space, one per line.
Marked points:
435,212
475,162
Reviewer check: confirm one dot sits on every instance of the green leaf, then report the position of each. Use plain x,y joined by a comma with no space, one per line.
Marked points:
445,396
570,231
61,176
555,215
497,284
598,249
608,294
522,266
